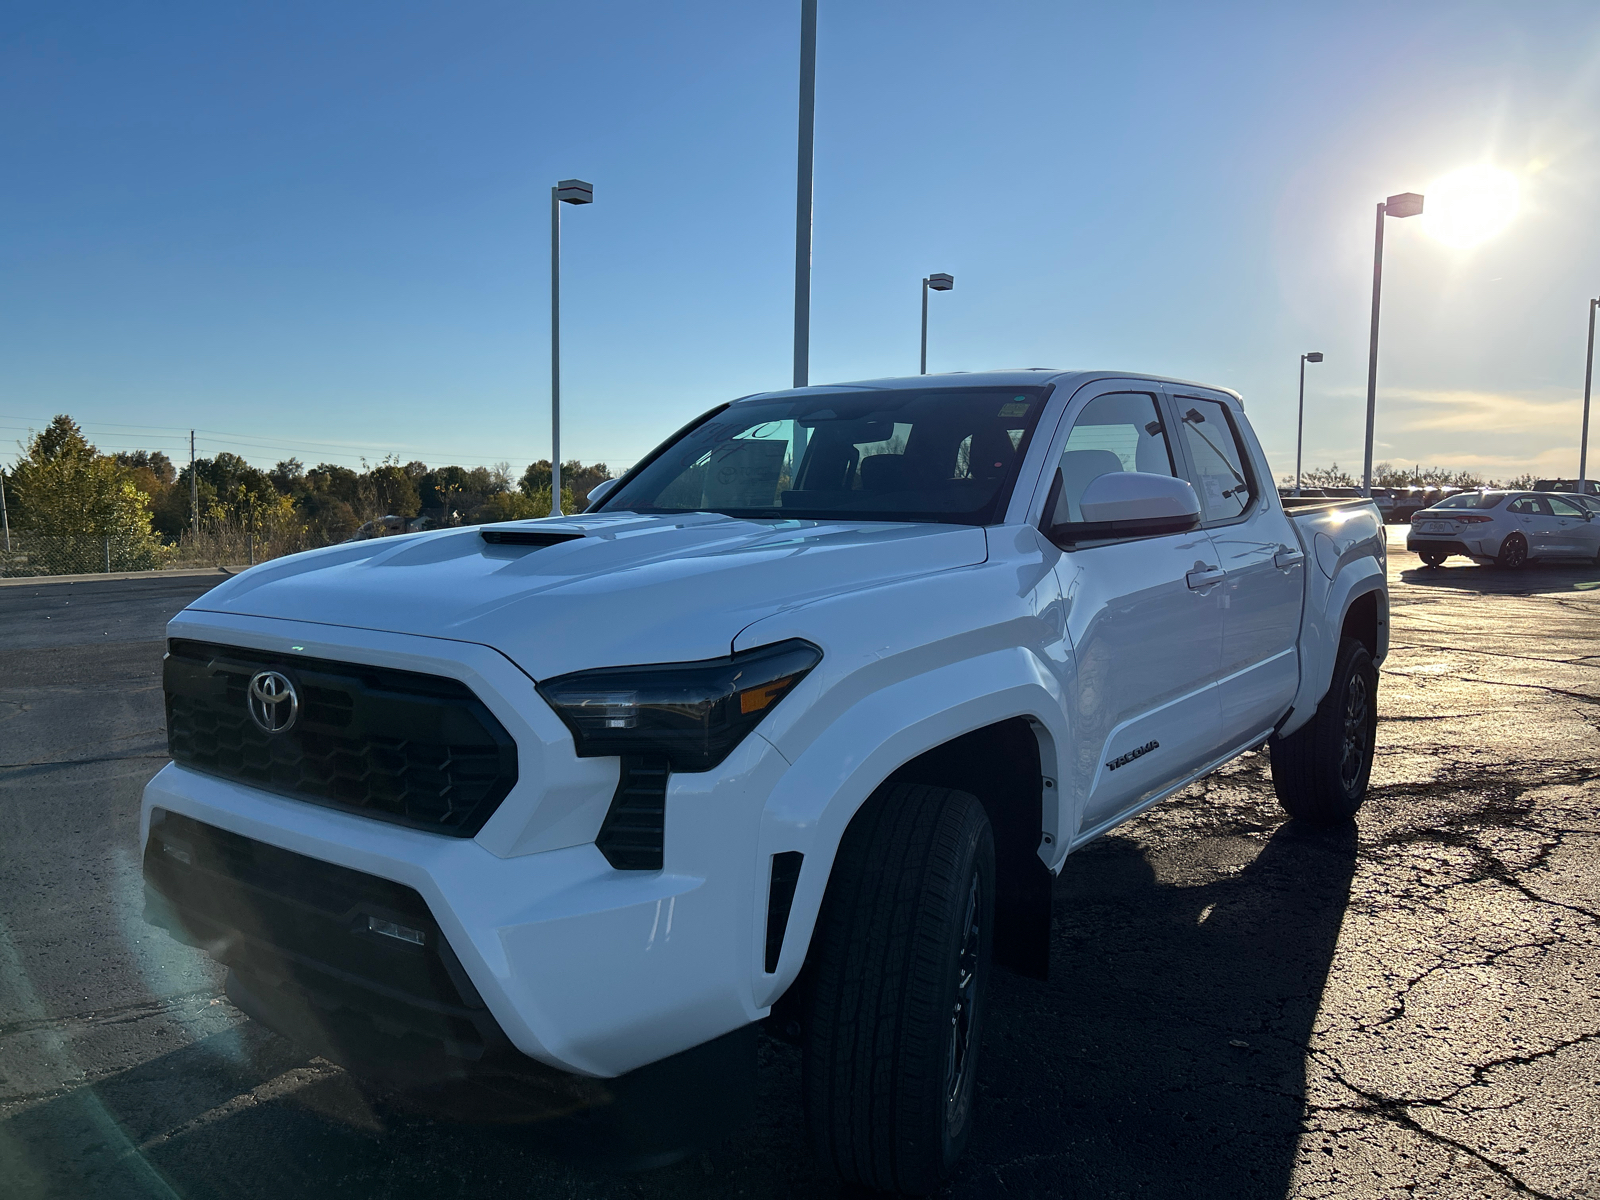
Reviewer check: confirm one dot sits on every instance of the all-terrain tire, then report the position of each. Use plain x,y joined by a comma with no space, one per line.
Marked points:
1320,771
895,991
1433,560
1513,554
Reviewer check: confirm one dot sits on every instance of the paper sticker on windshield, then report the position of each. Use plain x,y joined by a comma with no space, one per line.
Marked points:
1015,408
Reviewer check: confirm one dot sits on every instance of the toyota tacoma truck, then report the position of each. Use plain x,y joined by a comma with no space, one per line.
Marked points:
796,723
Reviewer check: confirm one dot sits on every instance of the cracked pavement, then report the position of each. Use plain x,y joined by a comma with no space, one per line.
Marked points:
1238,1007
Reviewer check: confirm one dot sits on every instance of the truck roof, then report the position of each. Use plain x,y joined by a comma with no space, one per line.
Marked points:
1004,377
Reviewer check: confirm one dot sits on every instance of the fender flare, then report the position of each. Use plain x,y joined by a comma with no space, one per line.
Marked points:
826,785
1319,635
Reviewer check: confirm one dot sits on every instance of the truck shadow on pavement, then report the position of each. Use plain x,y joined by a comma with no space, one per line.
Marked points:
1165,1058
1167,1055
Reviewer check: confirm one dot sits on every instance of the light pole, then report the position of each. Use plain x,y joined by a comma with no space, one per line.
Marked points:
568,191
939,282
1406,204
802,190
1588,376
1300,429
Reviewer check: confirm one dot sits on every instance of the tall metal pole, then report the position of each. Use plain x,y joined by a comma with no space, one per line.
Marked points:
923,369
802,192
555,354
1588,376
1372,355
1300,427
194,490
4,519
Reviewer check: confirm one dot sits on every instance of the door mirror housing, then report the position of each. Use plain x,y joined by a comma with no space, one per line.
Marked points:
600,490
1124,504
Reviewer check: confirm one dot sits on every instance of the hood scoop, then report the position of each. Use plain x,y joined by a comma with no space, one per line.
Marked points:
528,537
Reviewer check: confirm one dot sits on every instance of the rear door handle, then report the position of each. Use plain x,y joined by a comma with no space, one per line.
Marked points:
1204,577
1284,559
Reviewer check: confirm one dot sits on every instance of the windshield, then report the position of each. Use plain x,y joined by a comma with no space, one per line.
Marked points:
942,454
1472,500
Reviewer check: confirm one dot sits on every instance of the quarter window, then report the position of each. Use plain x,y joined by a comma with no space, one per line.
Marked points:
1221,478
1122,431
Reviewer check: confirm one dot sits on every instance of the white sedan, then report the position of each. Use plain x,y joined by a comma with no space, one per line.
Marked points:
1506,528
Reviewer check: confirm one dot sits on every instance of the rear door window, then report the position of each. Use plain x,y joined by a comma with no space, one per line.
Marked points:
1221,476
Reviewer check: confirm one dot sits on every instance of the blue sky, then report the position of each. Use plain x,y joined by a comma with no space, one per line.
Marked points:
322,229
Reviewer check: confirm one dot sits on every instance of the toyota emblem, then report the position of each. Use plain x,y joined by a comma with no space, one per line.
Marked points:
274,704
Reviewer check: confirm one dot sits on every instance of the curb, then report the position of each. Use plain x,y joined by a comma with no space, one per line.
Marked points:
110,576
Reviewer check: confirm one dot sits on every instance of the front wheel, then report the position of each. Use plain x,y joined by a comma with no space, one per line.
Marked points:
1513,554
1433,559
898,969
1320,771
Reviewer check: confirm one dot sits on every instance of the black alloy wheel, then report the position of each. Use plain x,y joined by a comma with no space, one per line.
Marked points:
1320,771
964,1018
1355,760
1513,554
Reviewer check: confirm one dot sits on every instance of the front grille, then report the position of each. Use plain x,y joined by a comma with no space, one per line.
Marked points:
305,937
418,750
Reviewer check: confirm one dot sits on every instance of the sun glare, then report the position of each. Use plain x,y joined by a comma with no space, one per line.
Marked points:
1470,206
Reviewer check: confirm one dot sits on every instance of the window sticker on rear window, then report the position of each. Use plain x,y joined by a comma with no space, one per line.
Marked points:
1015,408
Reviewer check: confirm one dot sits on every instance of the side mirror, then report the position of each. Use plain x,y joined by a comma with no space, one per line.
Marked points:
600,491
1129,504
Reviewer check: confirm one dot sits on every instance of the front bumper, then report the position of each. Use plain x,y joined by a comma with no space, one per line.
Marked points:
577,966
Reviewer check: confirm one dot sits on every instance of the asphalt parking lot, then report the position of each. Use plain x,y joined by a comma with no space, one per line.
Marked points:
1238,1007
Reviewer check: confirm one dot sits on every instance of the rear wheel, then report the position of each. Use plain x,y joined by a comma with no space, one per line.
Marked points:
1320,771
1433,558
1513,554
898,970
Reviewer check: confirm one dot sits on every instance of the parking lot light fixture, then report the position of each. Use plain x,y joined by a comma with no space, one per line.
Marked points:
939,281
1300,428
1588,378
568,191
1406,204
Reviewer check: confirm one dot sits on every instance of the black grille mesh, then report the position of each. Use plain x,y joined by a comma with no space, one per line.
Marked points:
633,835
418,750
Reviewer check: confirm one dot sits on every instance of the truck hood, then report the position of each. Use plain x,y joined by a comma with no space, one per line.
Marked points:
632,589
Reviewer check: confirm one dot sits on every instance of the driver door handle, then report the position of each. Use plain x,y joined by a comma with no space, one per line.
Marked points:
1286,558
1204,576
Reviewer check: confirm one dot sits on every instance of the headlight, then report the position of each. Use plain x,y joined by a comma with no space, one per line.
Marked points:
695,713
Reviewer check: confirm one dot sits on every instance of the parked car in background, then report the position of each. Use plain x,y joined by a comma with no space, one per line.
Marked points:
390,525
1591,502
1505,528
1411,500
1590,487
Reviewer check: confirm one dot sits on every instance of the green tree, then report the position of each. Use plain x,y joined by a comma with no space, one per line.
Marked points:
393,491
519,505
66,489
576,478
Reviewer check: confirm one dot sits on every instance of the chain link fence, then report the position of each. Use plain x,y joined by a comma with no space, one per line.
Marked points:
34,554
26,554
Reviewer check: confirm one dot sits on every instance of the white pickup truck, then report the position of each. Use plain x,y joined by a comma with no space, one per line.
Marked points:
798,721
